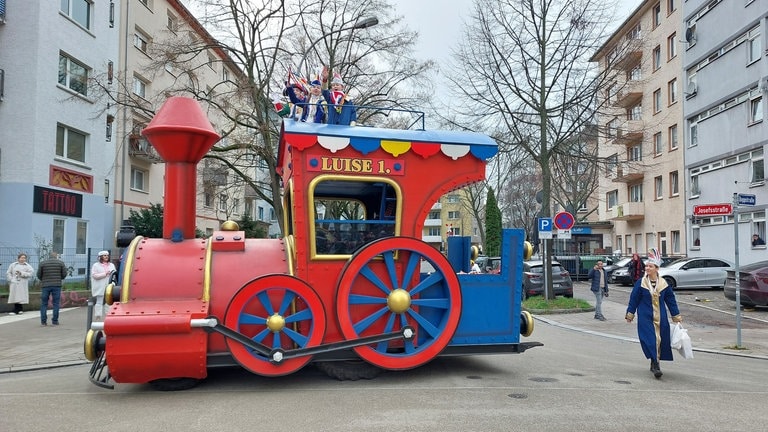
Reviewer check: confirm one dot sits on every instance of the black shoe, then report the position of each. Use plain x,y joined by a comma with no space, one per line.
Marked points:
43,324
656,369
602,318
55,323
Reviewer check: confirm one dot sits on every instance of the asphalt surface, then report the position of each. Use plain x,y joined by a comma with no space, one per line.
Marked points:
25,345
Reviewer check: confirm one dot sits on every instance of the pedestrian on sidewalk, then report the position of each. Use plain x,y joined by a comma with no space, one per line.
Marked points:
18,275
651,298
636,268
101,273
51,274
599,287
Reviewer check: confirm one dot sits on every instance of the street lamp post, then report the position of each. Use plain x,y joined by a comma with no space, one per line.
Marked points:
361,24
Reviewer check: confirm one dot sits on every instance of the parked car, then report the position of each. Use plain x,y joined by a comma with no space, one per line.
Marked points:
533,279
696,272
622,263
753,283
621,275
492,265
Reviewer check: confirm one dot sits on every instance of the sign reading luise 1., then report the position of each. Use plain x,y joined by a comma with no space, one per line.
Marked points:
723,209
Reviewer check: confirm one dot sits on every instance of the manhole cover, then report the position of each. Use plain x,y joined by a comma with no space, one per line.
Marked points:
543,379
518,396
474,377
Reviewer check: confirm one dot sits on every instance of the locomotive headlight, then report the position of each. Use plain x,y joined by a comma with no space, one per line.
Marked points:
111,294
94,344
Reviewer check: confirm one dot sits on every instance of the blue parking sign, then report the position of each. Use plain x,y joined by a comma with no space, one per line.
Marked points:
545,224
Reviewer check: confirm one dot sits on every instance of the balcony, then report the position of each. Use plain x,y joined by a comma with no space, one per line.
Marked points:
432,222
431,239
629,56
140,148
629,171
437,206
215,176
630,133
629,96
627,211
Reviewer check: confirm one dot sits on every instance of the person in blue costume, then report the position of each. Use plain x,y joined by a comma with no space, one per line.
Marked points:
307,108
341,110
650,299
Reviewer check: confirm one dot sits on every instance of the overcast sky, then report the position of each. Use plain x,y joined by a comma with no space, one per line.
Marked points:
440,22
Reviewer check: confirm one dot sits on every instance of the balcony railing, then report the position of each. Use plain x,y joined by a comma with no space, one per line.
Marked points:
432,222
629,171
141,148
431,239
632,210
631,132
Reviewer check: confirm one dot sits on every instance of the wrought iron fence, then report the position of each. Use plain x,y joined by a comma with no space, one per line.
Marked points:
78,264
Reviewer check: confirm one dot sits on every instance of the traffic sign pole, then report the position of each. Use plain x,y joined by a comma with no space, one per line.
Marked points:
736,199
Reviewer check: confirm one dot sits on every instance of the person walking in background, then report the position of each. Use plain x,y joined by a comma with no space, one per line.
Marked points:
636,268
51,274
18,275
650,299
101,273
599,287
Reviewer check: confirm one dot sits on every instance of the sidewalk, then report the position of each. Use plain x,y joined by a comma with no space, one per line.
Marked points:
25,345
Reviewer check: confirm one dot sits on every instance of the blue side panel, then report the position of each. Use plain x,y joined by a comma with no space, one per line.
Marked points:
491,303
459,251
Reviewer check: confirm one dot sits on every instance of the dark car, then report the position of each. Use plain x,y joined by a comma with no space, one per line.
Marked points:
610,268
753,283
492,265
533,279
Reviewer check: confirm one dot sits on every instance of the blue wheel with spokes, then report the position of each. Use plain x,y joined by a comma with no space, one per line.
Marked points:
279,312
382,289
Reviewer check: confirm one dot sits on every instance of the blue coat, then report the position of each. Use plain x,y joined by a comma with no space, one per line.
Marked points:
342,114
594,275
652,321
319,116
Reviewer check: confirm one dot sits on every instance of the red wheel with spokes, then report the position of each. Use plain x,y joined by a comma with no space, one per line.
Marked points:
280,312
381,290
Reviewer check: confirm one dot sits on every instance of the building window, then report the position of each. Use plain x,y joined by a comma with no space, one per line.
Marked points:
611,163
758,229
656,101
635,112
675,242
224,74
453,215
756,110
138,179
635,74
73,75
173,22
635,153
248,208
636,193
141,41
211,61
453,198
658,185
612,199
81,237
753,46
223,202
139,87
618,244
671,46
672,138
272,214
693,128
57,239
696,236
674,187
78,10
672,91
70,144
695,190
613,126
758,171
433,231
208,199
235,206
671,6
658,145
656,15
657,58
261,213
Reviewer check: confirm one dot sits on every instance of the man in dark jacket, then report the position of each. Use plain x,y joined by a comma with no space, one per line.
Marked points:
51,272
599,287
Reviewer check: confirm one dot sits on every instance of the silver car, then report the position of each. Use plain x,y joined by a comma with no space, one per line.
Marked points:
696,272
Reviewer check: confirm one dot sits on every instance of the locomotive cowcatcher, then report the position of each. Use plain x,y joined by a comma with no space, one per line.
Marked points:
351,287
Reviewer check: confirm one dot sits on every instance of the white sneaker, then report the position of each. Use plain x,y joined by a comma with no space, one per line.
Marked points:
20,312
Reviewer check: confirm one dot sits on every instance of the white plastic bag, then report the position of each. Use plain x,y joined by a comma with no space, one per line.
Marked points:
681,341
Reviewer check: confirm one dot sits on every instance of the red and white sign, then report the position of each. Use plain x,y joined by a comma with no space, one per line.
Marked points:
564,220
713,209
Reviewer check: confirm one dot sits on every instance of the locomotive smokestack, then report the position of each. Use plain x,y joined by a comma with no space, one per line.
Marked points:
182,135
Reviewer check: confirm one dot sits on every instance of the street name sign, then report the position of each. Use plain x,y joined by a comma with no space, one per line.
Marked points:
747,199
723,209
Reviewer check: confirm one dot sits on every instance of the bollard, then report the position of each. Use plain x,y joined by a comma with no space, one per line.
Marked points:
88,319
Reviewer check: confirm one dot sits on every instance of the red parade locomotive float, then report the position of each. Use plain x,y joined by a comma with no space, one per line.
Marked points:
351,287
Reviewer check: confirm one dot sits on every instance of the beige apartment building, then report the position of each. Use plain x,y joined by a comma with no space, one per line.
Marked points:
641,191
139,171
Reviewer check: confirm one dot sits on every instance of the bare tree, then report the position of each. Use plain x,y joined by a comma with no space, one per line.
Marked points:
523,70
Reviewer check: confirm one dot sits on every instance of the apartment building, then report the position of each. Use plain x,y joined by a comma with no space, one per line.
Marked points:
726,74
641,191
57,146
450,216
145,27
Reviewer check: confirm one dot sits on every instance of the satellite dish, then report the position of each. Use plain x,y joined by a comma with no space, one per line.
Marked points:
690,33
691,88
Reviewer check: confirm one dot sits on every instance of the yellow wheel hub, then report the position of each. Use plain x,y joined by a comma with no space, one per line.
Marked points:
399,300
275,323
